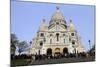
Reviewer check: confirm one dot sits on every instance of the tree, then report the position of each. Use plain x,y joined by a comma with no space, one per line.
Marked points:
30,42
14,42
22,46
89,43
92,51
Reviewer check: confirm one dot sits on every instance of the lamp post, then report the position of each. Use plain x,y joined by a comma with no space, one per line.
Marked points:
89,44
89,47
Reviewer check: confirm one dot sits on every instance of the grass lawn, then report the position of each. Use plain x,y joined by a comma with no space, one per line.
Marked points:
19,62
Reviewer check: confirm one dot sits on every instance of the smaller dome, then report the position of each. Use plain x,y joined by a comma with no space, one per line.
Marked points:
43,26
71,26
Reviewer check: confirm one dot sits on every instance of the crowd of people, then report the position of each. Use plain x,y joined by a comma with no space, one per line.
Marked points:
56,56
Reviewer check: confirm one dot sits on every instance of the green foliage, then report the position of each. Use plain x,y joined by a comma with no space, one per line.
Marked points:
92,51
22,46
14,42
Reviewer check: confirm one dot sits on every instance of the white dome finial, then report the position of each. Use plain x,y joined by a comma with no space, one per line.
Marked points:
71,26
57,7
70,21
44,20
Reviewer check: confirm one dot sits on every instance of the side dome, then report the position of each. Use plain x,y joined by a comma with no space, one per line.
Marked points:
43,26
71,26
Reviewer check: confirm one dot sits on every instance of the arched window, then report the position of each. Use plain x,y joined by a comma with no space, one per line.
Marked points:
65,50
57,23
57,36
39,52
41,43
50,41
49,51
44,39
72,34
69,39
42,34
64,40
50,34
63,34
73,42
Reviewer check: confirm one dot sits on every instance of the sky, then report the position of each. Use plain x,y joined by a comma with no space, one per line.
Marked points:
26,17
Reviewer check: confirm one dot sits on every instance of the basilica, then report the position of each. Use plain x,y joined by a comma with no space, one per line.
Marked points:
57,36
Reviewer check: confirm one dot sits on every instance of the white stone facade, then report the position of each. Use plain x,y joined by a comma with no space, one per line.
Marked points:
57,36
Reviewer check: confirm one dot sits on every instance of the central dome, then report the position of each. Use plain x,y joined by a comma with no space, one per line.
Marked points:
57,18
57,15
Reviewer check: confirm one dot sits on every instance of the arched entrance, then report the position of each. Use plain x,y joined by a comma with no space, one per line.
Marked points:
65,50
57,53
49,51
57,50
